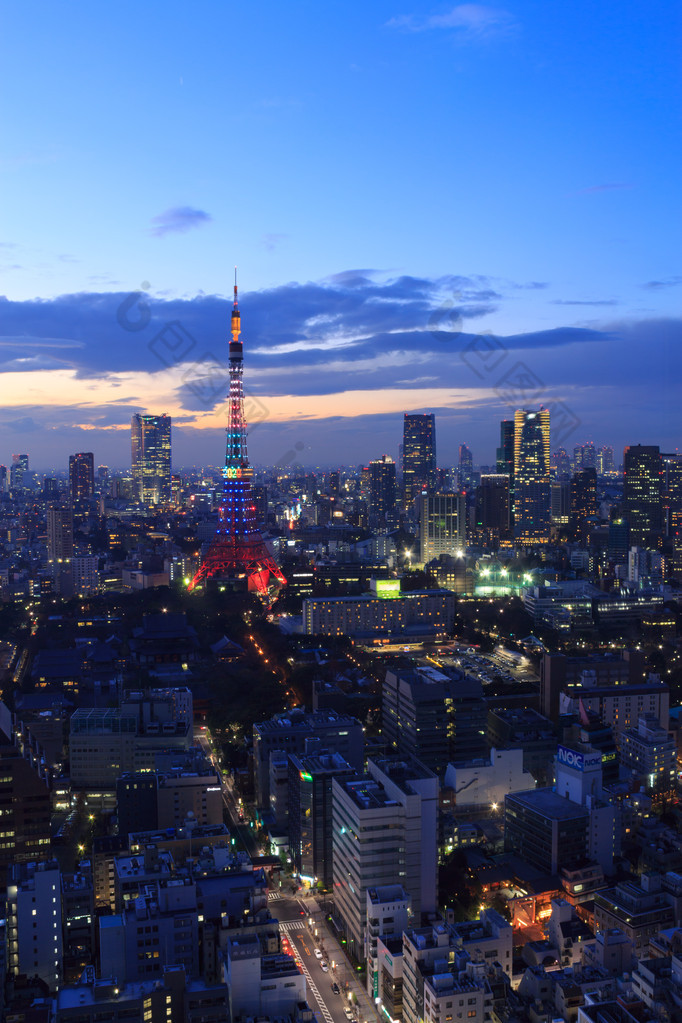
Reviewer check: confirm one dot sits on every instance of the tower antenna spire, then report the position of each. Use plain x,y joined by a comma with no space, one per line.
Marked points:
235,326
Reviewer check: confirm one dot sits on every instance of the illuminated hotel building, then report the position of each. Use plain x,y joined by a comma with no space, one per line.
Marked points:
382,612
531,477
419,454
151,458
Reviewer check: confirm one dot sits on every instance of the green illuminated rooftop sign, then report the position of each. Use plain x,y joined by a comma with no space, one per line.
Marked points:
387,589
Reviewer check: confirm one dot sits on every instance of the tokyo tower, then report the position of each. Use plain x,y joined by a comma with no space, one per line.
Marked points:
238,549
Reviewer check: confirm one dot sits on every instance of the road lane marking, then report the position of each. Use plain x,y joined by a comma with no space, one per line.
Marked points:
328,1018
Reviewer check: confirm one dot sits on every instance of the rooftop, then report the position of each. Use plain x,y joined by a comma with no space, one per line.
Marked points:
387,893
549,803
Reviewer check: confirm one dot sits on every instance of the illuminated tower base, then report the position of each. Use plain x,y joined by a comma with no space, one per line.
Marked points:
230,557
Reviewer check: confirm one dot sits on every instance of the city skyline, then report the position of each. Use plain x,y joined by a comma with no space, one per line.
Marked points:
341,589
538,210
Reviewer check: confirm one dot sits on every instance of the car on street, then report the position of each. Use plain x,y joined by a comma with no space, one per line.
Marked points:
336,989
347,1012
318,954
324,966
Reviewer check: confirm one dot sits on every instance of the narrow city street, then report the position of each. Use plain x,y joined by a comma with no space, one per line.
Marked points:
304,927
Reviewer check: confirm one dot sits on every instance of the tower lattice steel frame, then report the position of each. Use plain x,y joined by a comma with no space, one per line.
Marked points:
238,548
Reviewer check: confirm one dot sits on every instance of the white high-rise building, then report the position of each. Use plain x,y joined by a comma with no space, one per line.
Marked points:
384,832
34,928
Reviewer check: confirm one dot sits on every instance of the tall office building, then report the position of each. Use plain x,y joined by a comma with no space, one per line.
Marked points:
642,492
561,465
4,479
493,503
605,460
419,454
151,458
466,466
59,534
671,488
619,541
25,801
18,472
34,918
531,476
382,491
433,716
584,456
81,476
583,500
675,533
560,502
310,813
505,452
384,832
442,525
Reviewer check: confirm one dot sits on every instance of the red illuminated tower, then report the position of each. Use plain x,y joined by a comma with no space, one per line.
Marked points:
238,549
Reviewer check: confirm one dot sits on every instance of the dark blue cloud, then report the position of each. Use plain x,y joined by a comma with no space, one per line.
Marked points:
347,333
179,219
578,301
671,282
351,317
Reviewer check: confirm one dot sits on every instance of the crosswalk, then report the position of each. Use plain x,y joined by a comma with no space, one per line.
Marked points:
274,896
291,925
298,926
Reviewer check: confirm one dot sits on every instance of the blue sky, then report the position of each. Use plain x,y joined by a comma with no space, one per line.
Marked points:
393,179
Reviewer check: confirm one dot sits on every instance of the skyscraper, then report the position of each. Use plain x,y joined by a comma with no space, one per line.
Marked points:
505,452
561,464
382,491
81,475
151,458
605,460
584,456
18,472
671,487
59,534
531,476
560,502
583,501
466,466
642,492
442,525
493,503
419,454
60,547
